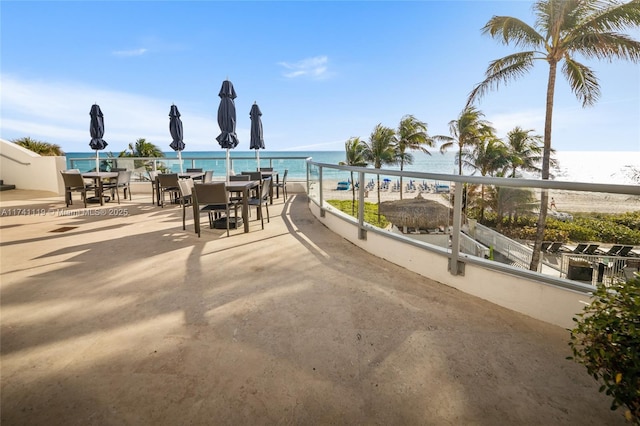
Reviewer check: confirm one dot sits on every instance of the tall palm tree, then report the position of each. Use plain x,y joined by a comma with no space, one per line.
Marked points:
466,130
412,136
563,29
380,150
525,151
43,148
354,148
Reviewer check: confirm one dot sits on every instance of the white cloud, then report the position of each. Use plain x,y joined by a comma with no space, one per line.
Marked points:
133,52
315,67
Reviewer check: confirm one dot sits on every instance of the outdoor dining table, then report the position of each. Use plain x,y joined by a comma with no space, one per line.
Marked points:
192,175
243,186
97,179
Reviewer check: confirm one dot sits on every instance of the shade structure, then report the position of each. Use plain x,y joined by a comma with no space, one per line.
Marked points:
416,213
257,138
227,119
175,128
96,129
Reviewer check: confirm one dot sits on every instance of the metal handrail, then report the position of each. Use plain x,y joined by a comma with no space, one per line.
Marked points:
22,163
457,258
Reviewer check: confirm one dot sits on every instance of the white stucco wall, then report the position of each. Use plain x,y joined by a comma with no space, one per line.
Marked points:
27,170
538,300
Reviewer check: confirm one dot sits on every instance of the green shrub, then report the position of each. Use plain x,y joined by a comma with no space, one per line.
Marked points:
606,340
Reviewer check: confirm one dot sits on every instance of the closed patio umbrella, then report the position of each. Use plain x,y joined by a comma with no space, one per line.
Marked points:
175,128
257,138
227,120
96,129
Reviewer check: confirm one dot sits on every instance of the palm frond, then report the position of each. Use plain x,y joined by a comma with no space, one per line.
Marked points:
513,30
605,46
502,71
583,82
614,17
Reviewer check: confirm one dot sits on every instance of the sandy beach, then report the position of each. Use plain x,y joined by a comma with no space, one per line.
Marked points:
565,201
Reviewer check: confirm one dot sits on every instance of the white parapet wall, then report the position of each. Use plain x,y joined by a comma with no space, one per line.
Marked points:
549,303
27,170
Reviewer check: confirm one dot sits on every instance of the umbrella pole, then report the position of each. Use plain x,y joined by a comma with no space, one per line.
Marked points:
258,158
228,165
180,160
97,162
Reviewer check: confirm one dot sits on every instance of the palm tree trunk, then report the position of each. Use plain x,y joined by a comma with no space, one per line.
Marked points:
460,160
401,168
544,196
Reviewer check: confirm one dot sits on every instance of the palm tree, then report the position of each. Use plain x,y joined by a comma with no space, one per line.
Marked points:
489,157
564,28
142,148
381,150
466,130
43,148
525,151
354,148
411,135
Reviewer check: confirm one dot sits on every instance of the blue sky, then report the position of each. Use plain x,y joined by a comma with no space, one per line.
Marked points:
321,73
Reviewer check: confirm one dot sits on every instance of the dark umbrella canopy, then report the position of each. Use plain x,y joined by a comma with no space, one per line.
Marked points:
96,129
227,116
257,139
175,128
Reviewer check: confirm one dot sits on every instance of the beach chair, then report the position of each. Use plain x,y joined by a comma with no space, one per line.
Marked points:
555,247
580,248
624,251
613,251
591,249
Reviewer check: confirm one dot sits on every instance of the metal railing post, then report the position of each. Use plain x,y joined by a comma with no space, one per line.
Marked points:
455,266
362,233
320,201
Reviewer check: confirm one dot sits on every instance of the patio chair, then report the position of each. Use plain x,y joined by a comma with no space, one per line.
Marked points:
212,198
282,184
237,196
254,176
266,169
186,197
263,198
153,177
545,245
73,182
208,176
167,184
123,181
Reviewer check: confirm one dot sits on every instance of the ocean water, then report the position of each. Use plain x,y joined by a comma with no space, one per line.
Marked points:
576,166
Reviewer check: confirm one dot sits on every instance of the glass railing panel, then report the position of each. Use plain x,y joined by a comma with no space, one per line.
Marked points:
313,182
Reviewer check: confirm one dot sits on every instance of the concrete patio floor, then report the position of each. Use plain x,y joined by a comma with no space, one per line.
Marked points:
119,317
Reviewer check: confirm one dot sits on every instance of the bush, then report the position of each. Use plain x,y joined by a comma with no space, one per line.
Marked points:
606,340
